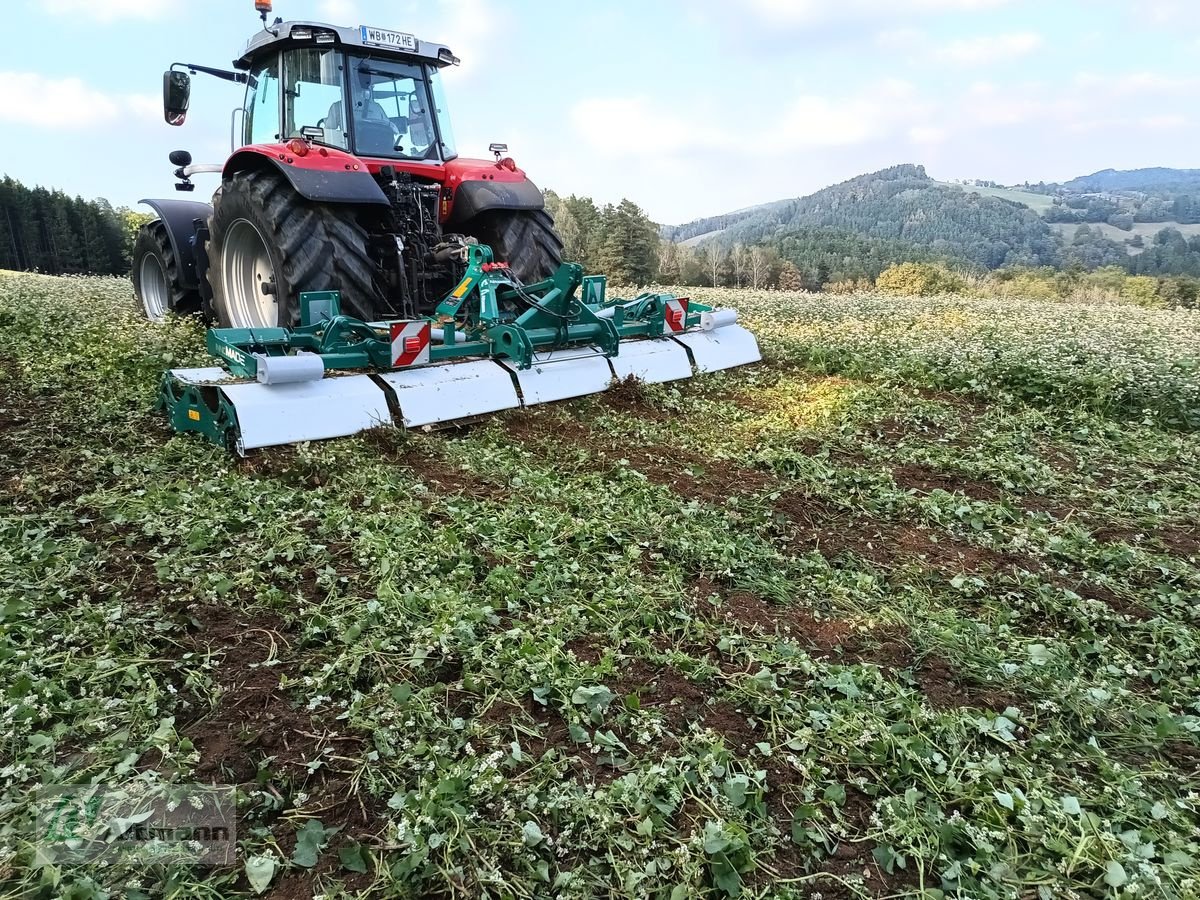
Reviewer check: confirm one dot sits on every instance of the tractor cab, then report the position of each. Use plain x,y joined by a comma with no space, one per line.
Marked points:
369,92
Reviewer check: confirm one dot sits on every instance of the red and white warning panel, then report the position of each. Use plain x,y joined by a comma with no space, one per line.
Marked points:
676,315
410,343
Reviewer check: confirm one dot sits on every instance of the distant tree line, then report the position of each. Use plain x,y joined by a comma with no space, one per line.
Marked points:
618,241
48,231
1123,212
1109,284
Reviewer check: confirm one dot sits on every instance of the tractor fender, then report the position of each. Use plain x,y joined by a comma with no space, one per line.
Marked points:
179,217
323,175
475,197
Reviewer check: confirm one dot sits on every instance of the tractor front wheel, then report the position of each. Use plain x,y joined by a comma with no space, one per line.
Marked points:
269,245
525,239
155,275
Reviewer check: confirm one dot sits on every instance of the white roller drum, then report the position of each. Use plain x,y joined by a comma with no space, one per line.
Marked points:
289,369
718,318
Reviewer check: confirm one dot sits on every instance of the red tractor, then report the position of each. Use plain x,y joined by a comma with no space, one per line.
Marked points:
347,180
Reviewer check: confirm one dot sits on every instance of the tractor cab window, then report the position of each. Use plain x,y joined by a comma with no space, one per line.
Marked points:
262,104
392,110
313,81
441,112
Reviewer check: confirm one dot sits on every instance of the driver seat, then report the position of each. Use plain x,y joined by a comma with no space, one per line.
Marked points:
374,132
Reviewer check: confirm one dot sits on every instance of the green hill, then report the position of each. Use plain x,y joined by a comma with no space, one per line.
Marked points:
904,206
1159,181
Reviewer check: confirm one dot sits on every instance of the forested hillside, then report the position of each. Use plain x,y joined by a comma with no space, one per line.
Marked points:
681,233
904,204
1152,181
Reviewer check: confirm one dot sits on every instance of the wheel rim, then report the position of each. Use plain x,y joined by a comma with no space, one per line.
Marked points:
246,267
152,286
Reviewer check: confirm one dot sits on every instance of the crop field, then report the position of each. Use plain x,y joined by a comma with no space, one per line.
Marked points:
911,609
1039,203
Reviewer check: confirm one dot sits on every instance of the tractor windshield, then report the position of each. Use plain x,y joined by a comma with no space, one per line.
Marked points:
398,111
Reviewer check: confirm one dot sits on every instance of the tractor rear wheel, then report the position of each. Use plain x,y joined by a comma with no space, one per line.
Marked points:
525,239
269,245
155,275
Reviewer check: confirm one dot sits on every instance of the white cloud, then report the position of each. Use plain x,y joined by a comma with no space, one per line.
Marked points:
1164,121
810,13
637,127
927,134
1135,83
991,48
632,125
1164,12
107,10
27,98
346,13
901,39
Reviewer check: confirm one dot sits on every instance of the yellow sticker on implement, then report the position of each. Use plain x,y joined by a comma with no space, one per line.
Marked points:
194,415
461,290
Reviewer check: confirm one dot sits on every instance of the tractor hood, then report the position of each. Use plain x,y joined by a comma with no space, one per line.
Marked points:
376,41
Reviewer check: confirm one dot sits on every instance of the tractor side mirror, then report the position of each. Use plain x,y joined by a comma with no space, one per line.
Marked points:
177,93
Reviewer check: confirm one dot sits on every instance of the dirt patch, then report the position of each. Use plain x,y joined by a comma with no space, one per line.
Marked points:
588,648
554,734
851,869
548,425
255,725
1175,540
1118,604
386,442
630,396
853,861
946,689
807,511
1178,540
285,465
924,480
890,544
447,479
688,474
677,698
830,638
734,726
126,562
252,719
964,403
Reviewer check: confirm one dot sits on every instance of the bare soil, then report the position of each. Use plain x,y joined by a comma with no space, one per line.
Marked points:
946,689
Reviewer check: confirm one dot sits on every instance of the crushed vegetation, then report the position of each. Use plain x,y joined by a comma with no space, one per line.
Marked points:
909,611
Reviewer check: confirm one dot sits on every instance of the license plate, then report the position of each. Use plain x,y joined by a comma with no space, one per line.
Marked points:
396,40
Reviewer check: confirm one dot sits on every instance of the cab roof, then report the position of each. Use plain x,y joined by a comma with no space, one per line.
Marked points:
279,36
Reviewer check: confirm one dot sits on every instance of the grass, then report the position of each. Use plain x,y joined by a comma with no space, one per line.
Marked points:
909,610
1146,229
1039,203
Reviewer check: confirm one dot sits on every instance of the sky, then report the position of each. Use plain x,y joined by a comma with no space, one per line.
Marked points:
688,107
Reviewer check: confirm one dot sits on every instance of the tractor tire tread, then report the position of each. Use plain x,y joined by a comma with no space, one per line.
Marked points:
320,247
153,237
525,239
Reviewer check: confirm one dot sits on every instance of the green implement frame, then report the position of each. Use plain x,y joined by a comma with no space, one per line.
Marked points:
491,344
487,314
